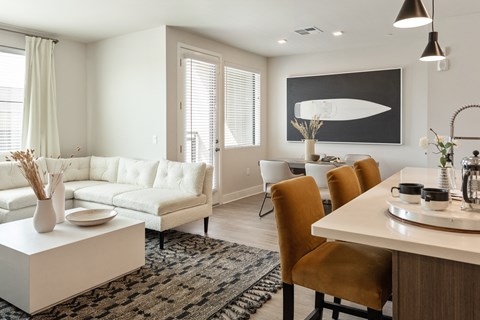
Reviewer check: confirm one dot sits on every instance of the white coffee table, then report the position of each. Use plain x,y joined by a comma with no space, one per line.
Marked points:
38,270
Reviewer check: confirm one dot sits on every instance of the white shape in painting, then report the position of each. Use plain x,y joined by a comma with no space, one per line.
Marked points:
338,109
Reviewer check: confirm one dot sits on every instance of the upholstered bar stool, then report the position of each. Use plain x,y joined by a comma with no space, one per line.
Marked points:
368,173
349,271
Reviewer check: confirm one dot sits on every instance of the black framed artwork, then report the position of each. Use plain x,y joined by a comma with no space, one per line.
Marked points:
356,107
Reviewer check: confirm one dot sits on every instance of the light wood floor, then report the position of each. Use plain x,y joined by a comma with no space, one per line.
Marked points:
238,222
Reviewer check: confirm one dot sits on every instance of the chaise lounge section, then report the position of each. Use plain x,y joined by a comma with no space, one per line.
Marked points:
164,194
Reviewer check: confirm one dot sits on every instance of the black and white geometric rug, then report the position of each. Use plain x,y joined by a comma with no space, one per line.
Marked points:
194,277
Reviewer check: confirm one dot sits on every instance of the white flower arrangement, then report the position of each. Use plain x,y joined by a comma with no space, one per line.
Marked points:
441,143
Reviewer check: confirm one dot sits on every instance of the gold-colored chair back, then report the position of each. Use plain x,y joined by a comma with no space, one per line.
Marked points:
343,185
368,173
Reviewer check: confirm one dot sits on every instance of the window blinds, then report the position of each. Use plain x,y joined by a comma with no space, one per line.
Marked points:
12,75
200,111
242,108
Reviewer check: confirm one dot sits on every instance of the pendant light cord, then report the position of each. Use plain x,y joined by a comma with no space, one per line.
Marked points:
433,13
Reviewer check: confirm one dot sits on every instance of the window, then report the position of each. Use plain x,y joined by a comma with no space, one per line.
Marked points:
12,77
242,108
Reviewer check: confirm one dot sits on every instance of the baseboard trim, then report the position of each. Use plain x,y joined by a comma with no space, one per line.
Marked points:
241,194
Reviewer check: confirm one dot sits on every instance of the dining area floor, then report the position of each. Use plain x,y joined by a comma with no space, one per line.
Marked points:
238,222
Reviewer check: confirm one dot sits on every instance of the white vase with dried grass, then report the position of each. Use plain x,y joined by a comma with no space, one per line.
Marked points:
309,132
44,218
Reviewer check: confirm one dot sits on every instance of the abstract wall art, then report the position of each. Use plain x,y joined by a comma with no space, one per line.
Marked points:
357,107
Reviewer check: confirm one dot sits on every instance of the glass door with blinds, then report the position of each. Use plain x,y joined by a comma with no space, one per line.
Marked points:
198,111
12,77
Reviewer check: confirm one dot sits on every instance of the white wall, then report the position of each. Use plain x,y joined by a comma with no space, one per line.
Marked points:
126,95
458,86
234,181
70,72
414,100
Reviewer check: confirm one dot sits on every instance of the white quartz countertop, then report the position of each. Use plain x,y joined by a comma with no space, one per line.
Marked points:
366,220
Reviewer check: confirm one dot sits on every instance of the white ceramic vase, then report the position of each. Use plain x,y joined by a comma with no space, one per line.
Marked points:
44,218
309,148
55,181
443,178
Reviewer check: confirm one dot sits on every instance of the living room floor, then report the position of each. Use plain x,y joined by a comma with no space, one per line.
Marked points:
238,222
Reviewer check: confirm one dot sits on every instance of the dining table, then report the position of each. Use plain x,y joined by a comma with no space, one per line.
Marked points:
297,166
435,261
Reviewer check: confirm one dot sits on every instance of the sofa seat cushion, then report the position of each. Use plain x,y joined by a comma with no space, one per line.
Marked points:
76,185
17,198
158,201
103,193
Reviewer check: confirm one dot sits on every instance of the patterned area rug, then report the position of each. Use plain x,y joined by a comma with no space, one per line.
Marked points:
193,278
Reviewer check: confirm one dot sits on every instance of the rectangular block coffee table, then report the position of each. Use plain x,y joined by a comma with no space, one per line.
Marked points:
38,270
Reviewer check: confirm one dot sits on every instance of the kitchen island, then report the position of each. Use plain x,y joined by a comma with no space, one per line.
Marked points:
436,273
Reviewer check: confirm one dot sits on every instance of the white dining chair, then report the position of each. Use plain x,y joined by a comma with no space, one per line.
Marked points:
319,173
273,171
350,158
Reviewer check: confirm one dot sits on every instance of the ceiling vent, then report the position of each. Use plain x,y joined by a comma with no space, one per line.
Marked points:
309,30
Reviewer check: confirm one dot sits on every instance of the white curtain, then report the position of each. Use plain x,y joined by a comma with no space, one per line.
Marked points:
40,129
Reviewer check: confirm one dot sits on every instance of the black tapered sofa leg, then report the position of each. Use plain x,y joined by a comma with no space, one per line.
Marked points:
205,224
161,237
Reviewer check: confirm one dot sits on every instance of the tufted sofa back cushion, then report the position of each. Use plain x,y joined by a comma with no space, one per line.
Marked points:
137,172
187,177
11,177
104,168
75,168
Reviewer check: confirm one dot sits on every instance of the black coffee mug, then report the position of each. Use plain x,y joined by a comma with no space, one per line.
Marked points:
408,192
435,198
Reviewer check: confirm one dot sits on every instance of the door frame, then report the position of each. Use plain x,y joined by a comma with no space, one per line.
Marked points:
213,57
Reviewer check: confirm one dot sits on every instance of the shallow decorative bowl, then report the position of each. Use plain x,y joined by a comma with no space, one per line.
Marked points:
91,217
314,157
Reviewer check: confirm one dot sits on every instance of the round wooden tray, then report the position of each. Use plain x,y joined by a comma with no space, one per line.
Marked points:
452,219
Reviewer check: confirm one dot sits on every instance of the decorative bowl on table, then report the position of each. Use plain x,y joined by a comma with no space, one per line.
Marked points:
91,217
314,157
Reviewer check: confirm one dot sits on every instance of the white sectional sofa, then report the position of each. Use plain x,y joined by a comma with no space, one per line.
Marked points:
164,194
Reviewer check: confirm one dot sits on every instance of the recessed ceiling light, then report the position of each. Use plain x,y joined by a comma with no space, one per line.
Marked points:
337,33
282,41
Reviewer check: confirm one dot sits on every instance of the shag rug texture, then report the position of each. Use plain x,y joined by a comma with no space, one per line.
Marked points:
194,277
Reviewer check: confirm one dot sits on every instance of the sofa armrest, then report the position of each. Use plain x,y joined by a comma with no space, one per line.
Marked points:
208,184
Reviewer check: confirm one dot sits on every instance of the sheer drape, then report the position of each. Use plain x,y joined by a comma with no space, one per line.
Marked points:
40,129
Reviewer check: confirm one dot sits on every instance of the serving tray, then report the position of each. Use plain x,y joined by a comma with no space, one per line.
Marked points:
451,219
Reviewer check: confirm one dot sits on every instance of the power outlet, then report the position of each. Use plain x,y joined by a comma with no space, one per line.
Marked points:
154,139
247,171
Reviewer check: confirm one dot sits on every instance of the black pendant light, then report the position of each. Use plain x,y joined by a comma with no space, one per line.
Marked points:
432,51
412,14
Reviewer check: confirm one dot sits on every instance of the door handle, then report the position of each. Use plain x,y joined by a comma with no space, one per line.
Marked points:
217,149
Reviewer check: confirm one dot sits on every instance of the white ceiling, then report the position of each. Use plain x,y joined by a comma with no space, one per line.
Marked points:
253,25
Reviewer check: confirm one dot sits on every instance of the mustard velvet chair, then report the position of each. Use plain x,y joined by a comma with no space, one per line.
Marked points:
273,171
349,271
343,185
368,173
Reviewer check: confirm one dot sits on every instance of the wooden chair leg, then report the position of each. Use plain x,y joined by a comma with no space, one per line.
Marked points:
162,239
205,225
288,301
335,313
260,214
374,314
